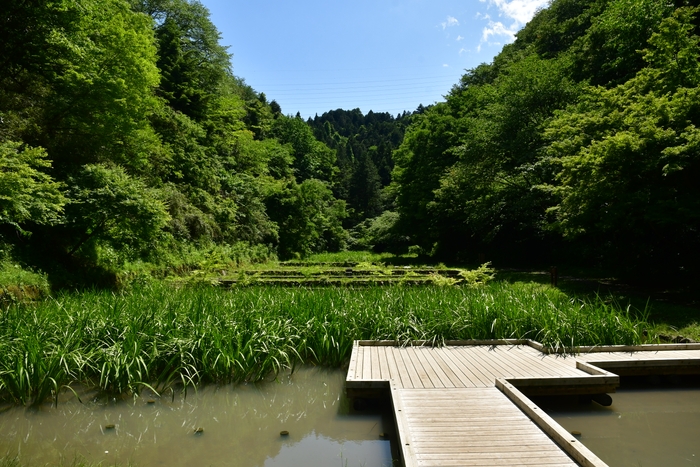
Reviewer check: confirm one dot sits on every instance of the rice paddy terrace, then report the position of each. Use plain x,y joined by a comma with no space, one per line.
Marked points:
355,274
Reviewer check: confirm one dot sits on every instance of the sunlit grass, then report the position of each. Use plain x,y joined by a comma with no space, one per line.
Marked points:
353,257
163,336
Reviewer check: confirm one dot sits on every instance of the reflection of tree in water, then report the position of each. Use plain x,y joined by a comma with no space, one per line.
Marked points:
241,425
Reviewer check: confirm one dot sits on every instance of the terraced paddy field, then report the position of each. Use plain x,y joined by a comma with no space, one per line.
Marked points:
354,274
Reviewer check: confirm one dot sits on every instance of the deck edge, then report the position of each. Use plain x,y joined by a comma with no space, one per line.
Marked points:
565,440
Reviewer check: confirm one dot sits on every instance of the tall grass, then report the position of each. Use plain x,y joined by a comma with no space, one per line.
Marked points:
160,336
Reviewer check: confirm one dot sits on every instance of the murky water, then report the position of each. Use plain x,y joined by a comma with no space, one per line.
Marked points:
643,427
241,427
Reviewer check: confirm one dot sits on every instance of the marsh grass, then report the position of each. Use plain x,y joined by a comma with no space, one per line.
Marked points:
163,337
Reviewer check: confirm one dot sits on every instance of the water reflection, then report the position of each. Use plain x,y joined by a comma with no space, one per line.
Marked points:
240,425
643,427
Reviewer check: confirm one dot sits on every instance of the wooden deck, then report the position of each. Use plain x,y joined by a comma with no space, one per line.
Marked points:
483,428
464,403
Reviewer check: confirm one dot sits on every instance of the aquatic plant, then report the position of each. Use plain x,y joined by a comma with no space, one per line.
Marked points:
161,336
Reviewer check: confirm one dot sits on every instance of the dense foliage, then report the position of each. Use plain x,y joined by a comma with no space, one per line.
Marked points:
579,142
125,136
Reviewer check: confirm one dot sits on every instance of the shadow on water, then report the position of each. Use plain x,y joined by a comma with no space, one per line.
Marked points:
653,421
228,425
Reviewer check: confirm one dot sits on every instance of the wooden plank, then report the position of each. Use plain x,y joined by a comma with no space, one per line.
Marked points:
563,438
474,426
458,379
403,431
534,364
491,462
509,365
440,369
448,412
374,358
418,365
366,363
638,348
487,360
352,368
505,447
468,455
475,377
383,363
396,374
422,353
487,378
416,381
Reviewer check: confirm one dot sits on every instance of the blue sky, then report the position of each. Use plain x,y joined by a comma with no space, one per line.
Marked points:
312,56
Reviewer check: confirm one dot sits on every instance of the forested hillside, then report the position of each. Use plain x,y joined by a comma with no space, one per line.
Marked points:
125,136
578,143
364,145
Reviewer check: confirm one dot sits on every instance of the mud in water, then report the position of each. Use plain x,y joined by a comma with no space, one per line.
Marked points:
642,428
216,426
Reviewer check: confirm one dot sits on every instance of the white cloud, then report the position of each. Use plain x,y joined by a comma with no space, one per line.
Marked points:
445,65
459,38
451,21
497,29
519,11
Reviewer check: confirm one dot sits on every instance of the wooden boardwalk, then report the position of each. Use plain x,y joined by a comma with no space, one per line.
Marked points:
483,428
464,404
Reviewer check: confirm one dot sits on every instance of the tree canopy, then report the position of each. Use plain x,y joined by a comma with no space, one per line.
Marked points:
578,142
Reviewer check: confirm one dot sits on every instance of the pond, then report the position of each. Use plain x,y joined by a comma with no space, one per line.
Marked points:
240,426
645,426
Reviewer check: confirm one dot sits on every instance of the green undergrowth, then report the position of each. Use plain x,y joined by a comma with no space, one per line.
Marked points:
673,313
19,283
364,273
166,337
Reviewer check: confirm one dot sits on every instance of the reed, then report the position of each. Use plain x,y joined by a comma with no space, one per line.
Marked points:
162,336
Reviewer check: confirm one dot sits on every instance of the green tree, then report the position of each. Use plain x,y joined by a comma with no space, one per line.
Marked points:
110,207
193,64
365,189
627,158
312,159
309,217
27,193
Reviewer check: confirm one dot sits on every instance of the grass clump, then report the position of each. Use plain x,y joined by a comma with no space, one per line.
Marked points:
162,336
21,283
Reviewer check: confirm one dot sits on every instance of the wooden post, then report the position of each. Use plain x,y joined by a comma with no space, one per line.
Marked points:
554,275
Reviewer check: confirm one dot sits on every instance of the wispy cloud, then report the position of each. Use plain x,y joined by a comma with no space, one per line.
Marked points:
496,28
445,65
518,11
460,38
451,21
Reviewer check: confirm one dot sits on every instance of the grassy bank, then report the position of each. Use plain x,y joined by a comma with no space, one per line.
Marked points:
160,335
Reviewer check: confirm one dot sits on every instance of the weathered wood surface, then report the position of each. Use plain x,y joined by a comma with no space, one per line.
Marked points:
466,366
462,404
469,427
473,366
